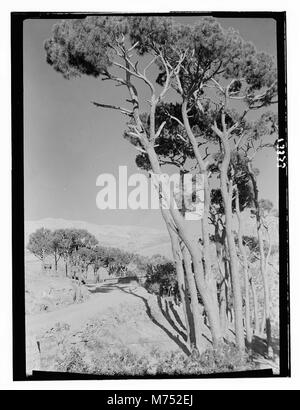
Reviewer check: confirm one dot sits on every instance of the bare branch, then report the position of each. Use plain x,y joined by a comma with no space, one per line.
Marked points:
168,74
183,139
218,85
206,154
223,121
140,149
133,47
217,131
115,49
176,119
180,89
135,134
113,107
149,65
136,74
160,129
239,141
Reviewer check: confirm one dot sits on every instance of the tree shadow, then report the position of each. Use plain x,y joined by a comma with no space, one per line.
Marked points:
260,347
207,338
175,339
167,316
127,280
176,315
101,289
230,330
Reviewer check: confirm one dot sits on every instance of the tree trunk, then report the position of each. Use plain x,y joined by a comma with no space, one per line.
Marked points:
266,286
228,290
43,261
263,270
236,287
210,307
249,332
55,261
210,280
178,259
255,306
222,266
148,145
181,280
223,298
197,318
192,334
189,240
223,307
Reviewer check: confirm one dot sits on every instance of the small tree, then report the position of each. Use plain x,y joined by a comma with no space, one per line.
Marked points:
39,244
56,246
62,245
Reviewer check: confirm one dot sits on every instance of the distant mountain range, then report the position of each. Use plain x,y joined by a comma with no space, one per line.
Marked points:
143,240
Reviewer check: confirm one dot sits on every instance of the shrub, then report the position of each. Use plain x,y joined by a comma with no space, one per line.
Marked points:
121,361
160,278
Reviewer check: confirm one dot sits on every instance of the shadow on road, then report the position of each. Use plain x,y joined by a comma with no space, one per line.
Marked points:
175,339
176,315
166,313
100,288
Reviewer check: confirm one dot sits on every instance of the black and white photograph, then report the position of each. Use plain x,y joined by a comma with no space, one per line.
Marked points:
150,195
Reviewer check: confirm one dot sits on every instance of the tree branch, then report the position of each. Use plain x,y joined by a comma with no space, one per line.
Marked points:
160,129
113,107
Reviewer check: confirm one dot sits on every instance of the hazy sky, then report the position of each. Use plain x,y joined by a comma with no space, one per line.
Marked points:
69,142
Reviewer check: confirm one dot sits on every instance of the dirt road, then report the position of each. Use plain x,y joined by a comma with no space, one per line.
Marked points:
131,316
76,315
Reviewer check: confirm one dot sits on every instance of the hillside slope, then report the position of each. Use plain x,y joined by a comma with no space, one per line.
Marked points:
138,239
143,240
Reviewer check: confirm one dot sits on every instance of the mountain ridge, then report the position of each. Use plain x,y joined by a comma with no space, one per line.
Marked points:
137,239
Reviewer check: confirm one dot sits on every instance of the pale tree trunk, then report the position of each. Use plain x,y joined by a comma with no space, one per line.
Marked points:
211,281
55,260
181,279
43,261
66,265
249,332
178,259
148,145
259,227
230,287
188,238
265,283
197,317
226,190
221,261
210,307
223,305
189,312
236,287
255,306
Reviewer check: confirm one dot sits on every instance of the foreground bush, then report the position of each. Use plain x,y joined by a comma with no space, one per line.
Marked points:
108,361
